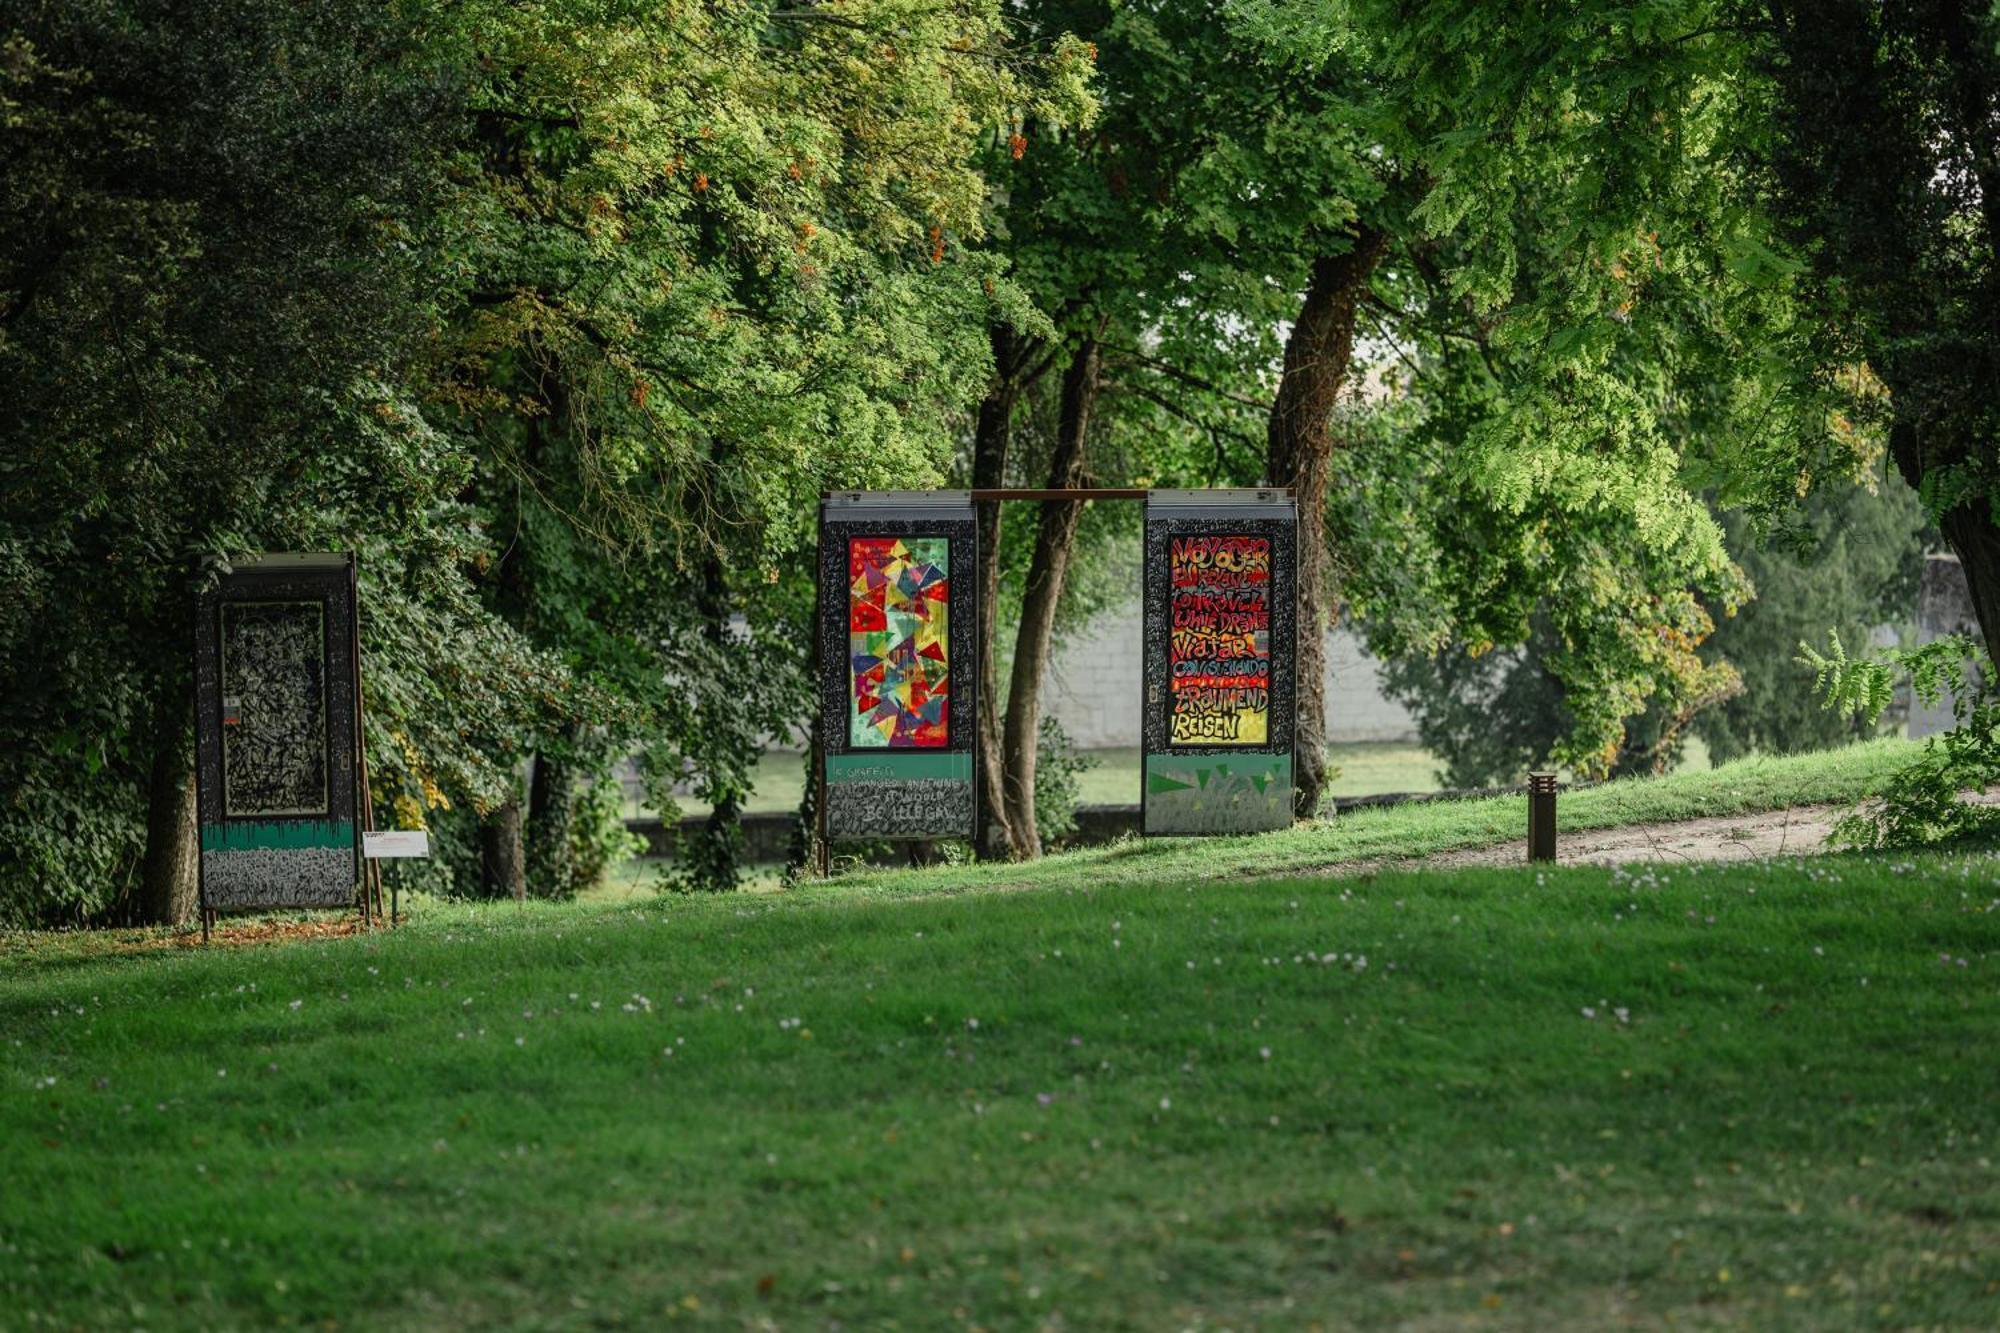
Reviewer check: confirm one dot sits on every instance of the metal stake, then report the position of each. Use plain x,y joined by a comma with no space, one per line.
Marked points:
1541,816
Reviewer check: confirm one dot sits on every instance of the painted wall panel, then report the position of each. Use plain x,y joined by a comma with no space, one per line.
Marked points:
898,692
275,740
1220,635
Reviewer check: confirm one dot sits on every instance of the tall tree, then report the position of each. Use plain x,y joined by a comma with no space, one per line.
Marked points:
1884,144
723,264
213,270
1318,354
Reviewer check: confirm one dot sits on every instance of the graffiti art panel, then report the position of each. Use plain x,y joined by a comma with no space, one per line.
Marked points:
1219,644
273,708
899,646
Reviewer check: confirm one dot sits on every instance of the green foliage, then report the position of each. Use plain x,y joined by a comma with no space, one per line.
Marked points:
212,268
1849,560
599,840
1058,763
1490,719
1921,804
547,310
1879,149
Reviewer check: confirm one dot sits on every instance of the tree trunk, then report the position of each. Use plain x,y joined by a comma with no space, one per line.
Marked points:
1975,88
168,892
1300,449
714,857
1970,531
1054,539
990,440
503,866
803,855
551,868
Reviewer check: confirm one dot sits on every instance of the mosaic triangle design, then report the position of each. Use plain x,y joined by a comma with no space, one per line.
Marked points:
898,641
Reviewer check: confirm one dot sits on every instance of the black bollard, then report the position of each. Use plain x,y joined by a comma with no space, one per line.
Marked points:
1541,816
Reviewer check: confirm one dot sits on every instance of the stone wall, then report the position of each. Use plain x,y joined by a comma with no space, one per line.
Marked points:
1944,606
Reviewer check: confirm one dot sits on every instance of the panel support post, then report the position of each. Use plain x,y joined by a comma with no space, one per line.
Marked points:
1541,816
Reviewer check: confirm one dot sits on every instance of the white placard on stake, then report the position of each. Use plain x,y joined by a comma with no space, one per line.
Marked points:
395,843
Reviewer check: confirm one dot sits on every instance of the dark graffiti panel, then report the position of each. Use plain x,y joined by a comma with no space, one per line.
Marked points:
274,732
276,691
1221,593
899,808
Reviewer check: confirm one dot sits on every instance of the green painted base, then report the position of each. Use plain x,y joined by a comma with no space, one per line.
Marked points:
277,834
900,766
1228,793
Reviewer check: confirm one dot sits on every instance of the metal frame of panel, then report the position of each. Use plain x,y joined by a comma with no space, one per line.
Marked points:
904,792
290,854
1219,788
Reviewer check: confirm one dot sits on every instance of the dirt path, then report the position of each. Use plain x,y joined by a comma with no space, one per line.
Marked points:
1799,831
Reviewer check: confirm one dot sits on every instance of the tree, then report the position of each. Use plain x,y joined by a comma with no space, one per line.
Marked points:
1593,320
1850,563
1158,244
211,273
687,315
1883,142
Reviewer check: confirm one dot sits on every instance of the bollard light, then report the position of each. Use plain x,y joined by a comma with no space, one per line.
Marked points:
1541,816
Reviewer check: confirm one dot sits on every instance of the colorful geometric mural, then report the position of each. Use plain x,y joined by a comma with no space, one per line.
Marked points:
898,591
1219,650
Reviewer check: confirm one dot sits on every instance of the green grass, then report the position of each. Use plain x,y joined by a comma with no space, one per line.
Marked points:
1407,831
1365,769
476,1120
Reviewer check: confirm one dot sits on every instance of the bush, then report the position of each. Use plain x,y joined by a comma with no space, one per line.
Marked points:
1058,764
599,840
1920,805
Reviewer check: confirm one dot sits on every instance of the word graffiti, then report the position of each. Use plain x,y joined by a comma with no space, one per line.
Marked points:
1220,646
1221,562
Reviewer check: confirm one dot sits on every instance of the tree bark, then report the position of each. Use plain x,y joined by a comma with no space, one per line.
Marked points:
1300,449
1970,532
168,887
1054,539
991,443
551,867
503,866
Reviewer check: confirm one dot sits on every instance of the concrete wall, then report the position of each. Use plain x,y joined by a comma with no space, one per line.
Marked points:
1944,606
1094,687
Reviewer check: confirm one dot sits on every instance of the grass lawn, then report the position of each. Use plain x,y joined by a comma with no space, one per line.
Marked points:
1738,1095
1365,769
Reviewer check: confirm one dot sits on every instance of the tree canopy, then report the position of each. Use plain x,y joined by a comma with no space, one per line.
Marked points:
562,315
